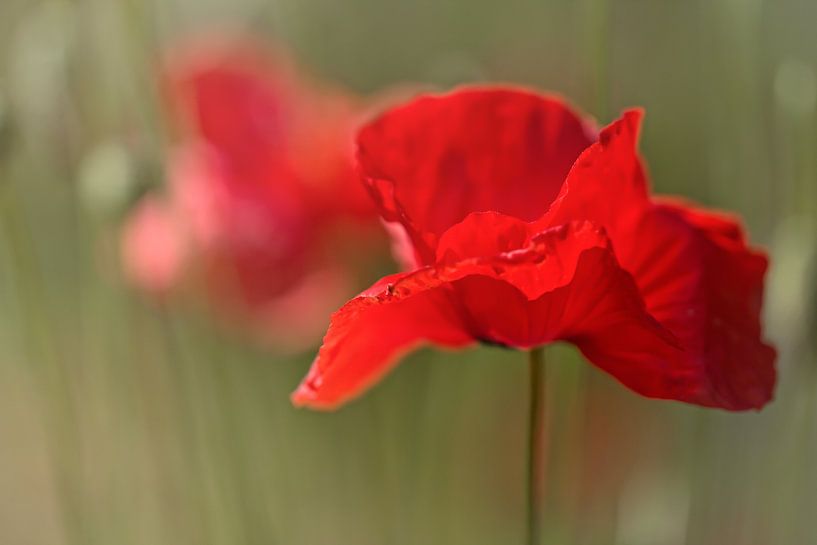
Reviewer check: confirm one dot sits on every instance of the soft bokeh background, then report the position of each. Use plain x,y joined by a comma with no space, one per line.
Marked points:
124,422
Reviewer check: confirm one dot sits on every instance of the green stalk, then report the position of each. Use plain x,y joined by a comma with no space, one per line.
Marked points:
536,444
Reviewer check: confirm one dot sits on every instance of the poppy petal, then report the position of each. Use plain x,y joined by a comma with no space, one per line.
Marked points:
607,185
594,297
573,289
367,335
591,301
204,77
701,281
692,267
430,163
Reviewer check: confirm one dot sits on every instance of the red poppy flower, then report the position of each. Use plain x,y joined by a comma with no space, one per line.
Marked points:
527,228
258,187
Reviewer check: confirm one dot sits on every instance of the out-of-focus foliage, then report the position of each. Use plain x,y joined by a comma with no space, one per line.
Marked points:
124,421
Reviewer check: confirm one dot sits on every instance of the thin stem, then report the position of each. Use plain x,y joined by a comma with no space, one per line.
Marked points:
536,443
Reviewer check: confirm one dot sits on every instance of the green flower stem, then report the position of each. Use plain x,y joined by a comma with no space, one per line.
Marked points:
536,444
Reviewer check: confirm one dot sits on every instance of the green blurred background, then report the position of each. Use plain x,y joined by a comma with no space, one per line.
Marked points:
125,423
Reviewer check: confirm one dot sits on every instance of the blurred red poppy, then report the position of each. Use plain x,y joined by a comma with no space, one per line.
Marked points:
527,228
260,188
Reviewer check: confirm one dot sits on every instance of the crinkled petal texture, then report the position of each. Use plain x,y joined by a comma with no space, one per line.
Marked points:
525,232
